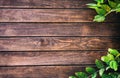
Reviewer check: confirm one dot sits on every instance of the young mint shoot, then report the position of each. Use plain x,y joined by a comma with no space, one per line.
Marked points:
107,67
103,8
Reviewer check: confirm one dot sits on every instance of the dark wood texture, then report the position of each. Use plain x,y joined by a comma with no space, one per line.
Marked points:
52,38
44,3
46,15
50,15
58,43
49,58
39,71
59,29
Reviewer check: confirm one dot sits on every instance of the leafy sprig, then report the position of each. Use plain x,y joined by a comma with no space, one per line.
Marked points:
103,8
107,67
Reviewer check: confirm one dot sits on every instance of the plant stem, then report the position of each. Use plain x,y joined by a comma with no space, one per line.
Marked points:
109,12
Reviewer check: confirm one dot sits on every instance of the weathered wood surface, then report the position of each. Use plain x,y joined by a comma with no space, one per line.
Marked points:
52,38
49,58
39,71
59,29
44,3
58,43
46,15
50,15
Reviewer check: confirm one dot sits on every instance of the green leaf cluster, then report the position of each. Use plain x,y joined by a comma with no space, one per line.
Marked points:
107,67
103,8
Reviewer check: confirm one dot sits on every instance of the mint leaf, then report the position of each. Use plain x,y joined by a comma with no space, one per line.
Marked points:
100,11
99,18
100,1
105,59
92,5
110,57
106,7
114,75
94,75
99,64
117,1
112,4
113,65
113,51
106,76
81,75
90,70
117,8
101,71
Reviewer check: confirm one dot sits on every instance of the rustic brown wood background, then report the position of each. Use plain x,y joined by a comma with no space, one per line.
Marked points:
52,38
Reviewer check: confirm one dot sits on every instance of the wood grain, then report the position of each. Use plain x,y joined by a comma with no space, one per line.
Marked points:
59,29
52,38
44,3
39,71
51,15
58,43
49,58
46,15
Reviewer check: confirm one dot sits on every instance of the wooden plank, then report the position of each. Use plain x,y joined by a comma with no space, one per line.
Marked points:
45,15
50,15
49,58
39,71
59,29
58,43
44,3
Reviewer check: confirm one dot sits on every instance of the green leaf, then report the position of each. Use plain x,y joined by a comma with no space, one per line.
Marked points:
72,77
105,59
113,65
117,1
100,11
81,75
118,76
90,70
117,8
113,75
92,5
106,7
100,1
113,51
94,75
106,76
101,71
118,58
110,57
112,4
99,64
99,18
103,8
